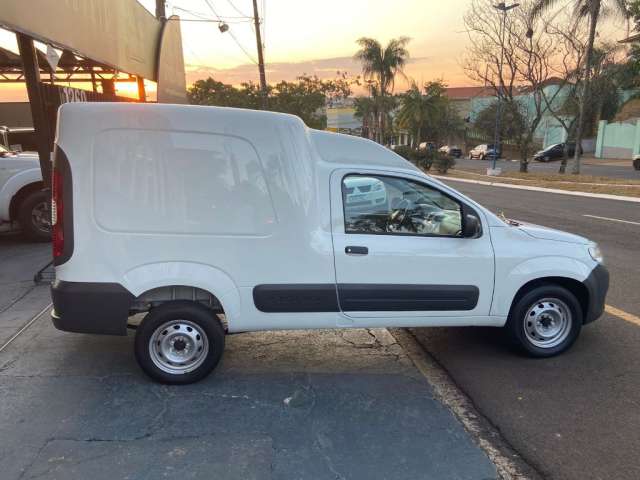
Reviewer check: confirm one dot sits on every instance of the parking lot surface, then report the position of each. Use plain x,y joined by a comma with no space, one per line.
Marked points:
315,404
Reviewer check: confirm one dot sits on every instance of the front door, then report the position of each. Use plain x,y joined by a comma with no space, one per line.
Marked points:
400,254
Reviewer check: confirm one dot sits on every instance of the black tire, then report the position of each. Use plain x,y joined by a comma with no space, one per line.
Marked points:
636,164
518,323
192,313
27,210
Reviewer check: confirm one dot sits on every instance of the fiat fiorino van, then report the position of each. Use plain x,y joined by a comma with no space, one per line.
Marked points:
215,220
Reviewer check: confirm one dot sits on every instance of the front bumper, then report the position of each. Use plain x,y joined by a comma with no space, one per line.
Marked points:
597,284
86,307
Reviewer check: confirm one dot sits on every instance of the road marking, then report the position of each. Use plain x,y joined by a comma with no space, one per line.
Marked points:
626,316
612,219
27,325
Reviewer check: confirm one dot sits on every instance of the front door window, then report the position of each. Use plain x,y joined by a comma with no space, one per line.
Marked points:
379,204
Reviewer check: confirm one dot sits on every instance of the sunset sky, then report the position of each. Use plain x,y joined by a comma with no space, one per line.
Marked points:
319,37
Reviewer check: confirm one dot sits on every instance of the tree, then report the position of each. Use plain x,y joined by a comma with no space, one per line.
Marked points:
427,113
213,92
512,56
380,65
415,112
305,98
513,123
591,9
365,108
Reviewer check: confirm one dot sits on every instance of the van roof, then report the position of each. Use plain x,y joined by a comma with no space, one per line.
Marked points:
347,149
331,147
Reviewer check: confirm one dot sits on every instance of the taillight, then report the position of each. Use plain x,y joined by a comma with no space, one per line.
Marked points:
57,213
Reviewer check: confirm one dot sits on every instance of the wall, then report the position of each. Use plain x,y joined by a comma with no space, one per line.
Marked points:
528,106
618,140
15,114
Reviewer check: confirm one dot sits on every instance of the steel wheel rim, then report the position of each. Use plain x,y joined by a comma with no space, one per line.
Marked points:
41,217
178,346
547,323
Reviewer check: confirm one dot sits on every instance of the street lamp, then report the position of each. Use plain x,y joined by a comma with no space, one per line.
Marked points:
504,9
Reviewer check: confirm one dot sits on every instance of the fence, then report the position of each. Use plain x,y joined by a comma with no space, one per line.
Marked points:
618,140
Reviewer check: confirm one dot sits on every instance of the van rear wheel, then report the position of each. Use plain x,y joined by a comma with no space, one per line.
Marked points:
545,321
179,342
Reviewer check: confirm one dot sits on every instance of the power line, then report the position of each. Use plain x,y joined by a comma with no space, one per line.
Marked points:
208,2
237,9
205,17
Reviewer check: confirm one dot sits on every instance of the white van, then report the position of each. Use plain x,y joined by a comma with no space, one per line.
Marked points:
217,220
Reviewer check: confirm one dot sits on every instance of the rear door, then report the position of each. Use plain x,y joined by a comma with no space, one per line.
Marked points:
399,252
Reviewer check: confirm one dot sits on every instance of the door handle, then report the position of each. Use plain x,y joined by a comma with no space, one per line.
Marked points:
356,250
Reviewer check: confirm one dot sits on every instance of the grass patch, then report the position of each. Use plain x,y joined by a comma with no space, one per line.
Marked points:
570,182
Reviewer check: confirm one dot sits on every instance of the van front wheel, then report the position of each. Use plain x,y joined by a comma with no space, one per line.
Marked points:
545,321
179,342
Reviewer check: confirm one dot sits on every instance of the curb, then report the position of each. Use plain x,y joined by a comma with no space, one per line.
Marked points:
605,196
509,464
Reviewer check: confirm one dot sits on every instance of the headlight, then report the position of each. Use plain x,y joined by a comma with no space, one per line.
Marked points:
596,253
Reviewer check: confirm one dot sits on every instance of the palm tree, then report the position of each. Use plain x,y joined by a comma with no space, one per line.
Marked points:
366,109
426,110
415,111
380,65
593,9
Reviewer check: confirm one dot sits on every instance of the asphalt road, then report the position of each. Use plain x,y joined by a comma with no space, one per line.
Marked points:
589,167
575,416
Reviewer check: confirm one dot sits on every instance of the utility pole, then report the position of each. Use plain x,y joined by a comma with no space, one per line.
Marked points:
263,78
160,9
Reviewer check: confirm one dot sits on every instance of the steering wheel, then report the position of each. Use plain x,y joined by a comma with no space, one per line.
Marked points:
399,217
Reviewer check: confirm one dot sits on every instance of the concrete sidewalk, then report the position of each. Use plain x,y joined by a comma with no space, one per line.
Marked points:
20,298
332,404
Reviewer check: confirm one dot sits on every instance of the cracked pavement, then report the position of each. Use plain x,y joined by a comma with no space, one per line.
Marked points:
325,404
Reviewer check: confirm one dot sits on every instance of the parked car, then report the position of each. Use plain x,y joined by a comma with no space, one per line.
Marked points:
364,192
555,152
212,220
483,151
636,162
22,198
427,146
19,138
454,151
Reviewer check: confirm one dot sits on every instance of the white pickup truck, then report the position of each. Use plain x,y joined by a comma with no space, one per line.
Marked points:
218,220
22,198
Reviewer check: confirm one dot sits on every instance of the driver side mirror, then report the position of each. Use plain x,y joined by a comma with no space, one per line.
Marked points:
471,227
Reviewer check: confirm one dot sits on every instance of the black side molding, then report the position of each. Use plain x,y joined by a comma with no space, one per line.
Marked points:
85,307
282,298
390,298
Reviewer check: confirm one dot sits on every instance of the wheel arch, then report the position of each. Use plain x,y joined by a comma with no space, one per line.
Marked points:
16,194
561,270
576,287
192,281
